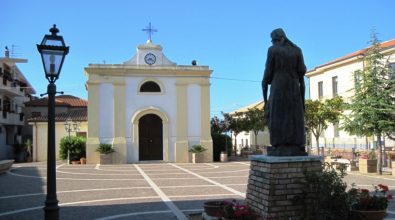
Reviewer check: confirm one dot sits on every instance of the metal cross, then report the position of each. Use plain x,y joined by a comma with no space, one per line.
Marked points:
150,31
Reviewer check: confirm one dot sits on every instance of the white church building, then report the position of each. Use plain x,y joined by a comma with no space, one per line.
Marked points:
148,108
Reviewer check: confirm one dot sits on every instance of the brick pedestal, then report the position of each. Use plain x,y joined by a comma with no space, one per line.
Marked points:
275,186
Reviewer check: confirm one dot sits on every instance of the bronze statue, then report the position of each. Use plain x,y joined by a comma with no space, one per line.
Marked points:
284,110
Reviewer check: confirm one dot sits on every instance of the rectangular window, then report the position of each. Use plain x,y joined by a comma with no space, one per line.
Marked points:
81,134
242,142
334,86
247,142
320,89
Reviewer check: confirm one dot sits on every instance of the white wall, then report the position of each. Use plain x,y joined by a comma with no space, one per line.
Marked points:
166,101
106,110
194,113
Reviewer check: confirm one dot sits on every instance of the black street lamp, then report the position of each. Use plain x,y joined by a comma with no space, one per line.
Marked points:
53,51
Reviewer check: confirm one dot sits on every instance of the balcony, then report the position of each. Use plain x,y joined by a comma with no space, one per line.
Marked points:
10,118
11,89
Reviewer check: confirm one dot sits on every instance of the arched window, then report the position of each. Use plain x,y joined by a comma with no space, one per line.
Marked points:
150,86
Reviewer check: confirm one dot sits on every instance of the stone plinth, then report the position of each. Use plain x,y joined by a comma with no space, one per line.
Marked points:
276,186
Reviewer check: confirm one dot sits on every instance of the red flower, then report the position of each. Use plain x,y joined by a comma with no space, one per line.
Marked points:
364,190
383,187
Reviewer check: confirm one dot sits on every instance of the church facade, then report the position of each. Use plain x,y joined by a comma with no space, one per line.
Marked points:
148,108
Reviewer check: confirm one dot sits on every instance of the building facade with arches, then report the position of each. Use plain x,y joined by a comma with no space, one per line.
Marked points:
148,108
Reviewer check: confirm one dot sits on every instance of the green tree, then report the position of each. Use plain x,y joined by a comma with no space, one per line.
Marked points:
76,146
217,125
237,123
255,121
373,103
319,114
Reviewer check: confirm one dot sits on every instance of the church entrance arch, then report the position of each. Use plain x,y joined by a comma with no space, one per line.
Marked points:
150,137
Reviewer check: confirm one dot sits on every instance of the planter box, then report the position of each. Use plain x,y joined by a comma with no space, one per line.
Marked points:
367,166
5,165
393,168
223,157
105,159
197,158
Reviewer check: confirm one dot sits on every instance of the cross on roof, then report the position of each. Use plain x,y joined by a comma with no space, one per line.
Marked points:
150,31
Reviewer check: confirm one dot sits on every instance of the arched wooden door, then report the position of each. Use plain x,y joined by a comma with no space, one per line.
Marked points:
150,137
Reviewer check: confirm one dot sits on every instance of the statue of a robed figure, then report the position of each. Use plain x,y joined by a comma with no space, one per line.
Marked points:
284,110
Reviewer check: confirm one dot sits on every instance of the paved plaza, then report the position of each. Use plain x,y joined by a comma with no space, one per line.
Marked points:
134,191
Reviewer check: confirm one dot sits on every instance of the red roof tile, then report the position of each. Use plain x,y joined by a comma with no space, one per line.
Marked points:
383,45
62,100
76,115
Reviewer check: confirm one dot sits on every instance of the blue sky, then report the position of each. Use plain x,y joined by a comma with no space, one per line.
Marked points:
231,37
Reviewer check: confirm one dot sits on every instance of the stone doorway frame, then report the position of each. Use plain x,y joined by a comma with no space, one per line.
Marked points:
165,126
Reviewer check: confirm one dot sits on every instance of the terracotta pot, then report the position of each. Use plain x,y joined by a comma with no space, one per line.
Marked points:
214,208
369,215
83,161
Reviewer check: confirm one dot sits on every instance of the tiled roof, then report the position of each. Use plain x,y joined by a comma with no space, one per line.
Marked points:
383,45
62,100
76,115
258,105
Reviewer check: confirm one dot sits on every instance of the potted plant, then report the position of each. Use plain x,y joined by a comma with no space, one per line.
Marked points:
105,151
197,156
369,205
230,209
368,162
83,160
245,151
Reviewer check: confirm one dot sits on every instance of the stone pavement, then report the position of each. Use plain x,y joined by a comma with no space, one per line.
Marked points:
130,191
135,191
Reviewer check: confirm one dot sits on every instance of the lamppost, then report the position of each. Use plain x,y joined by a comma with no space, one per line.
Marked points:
70,126
53,51
226,126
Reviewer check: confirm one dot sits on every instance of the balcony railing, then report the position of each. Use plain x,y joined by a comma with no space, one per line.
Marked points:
11,87
11,118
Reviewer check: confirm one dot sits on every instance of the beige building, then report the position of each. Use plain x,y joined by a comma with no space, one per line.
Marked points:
336,78
67,107
247,138
15,89
148,108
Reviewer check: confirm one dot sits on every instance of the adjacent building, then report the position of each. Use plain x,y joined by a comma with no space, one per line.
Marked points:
15,89
336,78
67,108
149,108
247,138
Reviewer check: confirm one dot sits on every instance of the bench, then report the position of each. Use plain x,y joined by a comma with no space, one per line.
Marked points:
5,165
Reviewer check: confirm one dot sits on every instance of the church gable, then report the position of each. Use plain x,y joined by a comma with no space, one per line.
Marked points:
150,54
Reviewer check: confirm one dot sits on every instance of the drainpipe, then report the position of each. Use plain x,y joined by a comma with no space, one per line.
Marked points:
35,141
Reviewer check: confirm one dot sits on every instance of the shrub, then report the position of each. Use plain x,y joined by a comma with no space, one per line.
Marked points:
329,187
219,142
105,149
76,146
197,149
